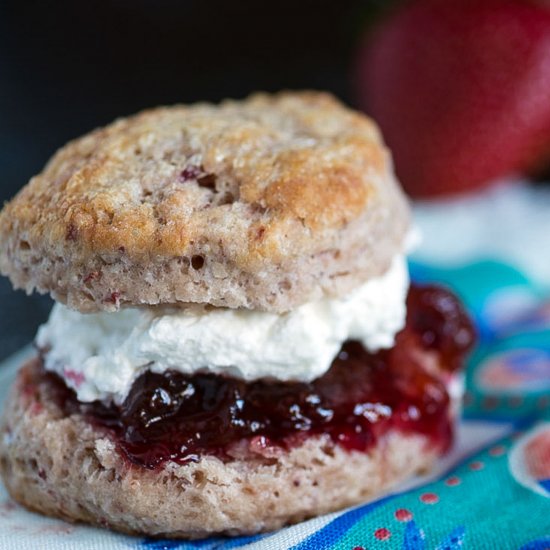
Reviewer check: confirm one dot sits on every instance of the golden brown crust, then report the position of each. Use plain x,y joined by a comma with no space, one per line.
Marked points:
249,188
62,466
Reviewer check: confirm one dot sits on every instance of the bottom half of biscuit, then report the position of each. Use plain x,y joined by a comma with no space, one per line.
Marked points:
68,467
142,474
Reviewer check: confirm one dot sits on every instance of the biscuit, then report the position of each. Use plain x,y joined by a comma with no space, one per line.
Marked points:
64,467
265,203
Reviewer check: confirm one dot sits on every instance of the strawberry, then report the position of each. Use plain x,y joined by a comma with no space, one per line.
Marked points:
461,90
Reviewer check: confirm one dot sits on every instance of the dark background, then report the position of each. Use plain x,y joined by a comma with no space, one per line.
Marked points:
67,67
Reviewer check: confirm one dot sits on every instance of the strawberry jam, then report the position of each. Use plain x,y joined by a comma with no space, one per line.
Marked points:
172,416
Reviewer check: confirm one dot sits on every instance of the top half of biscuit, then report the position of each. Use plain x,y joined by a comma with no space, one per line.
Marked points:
265,203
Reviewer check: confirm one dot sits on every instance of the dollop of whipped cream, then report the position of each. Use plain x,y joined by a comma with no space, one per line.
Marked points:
99,355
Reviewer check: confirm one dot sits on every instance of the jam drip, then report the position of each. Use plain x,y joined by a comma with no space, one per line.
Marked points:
172,416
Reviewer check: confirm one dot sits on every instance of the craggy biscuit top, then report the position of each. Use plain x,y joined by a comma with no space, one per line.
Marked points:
242,191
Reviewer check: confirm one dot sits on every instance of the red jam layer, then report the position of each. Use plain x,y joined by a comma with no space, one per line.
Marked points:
177,417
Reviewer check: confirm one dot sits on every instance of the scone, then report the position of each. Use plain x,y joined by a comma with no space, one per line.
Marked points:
236,345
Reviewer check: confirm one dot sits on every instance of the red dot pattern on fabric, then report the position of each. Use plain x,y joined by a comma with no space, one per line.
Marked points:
515,401
476,466
429,498
490,403
403,515
382,533
453,481
358,548
498,450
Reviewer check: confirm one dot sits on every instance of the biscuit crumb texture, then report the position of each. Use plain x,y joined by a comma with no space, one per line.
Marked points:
64,467
264,203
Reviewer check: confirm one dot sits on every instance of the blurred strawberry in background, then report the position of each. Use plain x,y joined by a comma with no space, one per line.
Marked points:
461,90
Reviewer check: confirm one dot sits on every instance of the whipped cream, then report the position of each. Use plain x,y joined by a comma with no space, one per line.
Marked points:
99,355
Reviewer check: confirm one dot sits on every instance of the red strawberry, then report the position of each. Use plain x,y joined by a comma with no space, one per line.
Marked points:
461,90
